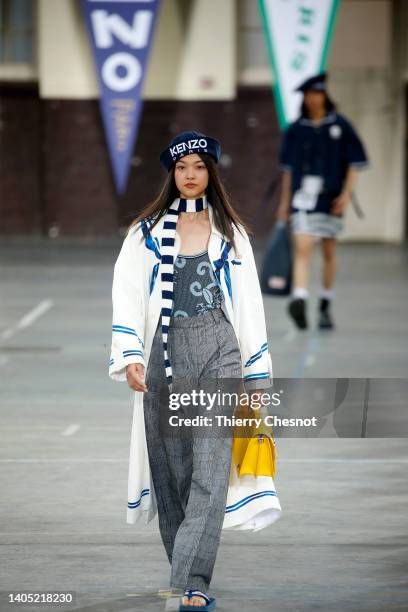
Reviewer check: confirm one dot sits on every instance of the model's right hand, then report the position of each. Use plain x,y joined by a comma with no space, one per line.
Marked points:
135,377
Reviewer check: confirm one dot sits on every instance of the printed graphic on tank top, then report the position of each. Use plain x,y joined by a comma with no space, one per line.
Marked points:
196,288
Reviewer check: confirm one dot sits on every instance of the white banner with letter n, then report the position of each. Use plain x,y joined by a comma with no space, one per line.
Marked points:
298,35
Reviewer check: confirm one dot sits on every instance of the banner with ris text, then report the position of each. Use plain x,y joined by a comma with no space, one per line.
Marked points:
121,33
298,35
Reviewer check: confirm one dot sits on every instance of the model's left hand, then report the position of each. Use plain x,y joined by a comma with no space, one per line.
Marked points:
339,204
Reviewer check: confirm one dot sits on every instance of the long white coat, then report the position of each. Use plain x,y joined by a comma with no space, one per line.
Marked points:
252,502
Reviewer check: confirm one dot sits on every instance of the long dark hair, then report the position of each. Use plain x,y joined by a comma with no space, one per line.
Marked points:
224,214
329,104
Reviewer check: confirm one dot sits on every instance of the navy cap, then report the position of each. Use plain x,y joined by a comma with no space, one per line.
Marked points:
315,83
187,143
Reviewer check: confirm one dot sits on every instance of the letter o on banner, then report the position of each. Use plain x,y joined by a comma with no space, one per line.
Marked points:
121,83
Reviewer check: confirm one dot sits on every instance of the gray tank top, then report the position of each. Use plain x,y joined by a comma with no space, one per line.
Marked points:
196,287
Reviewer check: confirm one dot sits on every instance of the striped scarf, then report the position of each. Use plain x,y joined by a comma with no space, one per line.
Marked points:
167,266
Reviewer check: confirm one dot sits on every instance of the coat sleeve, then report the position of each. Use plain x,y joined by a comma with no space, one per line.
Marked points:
254,346
128,316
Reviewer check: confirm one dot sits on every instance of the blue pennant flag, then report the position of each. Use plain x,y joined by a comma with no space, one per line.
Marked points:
121,32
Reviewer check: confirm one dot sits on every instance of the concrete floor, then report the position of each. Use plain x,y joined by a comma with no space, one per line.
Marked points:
342,542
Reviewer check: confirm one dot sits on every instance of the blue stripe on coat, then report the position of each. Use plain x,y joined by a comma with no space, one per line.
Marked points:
222,263
153,278
256,355
153,245
129,353
245,500
137,503
255,376
122,329
150,243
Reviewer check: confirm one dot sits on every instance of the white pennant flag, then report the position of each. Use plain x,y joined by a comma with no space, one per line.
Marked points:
298,34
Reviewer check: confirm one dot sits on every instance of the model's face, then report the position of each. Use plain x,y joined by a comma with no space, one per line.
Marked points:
191,176
314,101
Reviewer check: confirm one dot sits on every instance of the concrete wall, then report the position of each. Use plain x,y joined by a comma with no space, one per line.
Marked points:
362,81
184,64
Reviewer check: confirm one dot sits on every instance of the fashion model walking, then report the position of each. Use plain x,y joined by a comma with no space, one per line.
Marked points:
187,308
320,157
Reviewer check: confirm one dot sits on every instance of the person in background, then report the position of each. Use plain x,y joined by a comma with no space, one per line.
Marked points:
320,156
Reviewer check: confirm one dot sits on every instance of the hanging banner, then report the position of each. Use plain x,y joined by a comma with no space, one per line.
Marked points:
298,34
121,32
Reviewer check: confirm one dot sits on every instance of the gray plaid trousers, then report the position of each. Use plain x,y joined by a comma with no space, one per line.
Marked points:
190,469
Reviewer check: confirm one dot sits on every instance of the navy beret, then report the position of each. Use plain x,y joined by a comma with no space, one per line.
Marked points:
316,83
186,143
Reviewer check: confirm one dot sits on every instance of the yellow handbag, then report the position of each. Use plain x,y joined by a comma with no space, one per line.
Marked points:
253,449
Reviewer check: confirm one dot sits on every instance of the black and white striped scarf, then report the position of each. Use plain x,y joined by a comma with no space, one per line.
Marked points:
167,266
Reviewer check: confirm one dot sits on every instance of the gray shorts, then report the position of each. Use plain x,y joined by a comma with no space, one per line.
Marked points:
316,224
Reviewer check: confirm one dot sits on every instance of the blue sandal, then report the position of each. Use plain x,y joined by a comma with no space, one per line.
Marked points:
209,602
